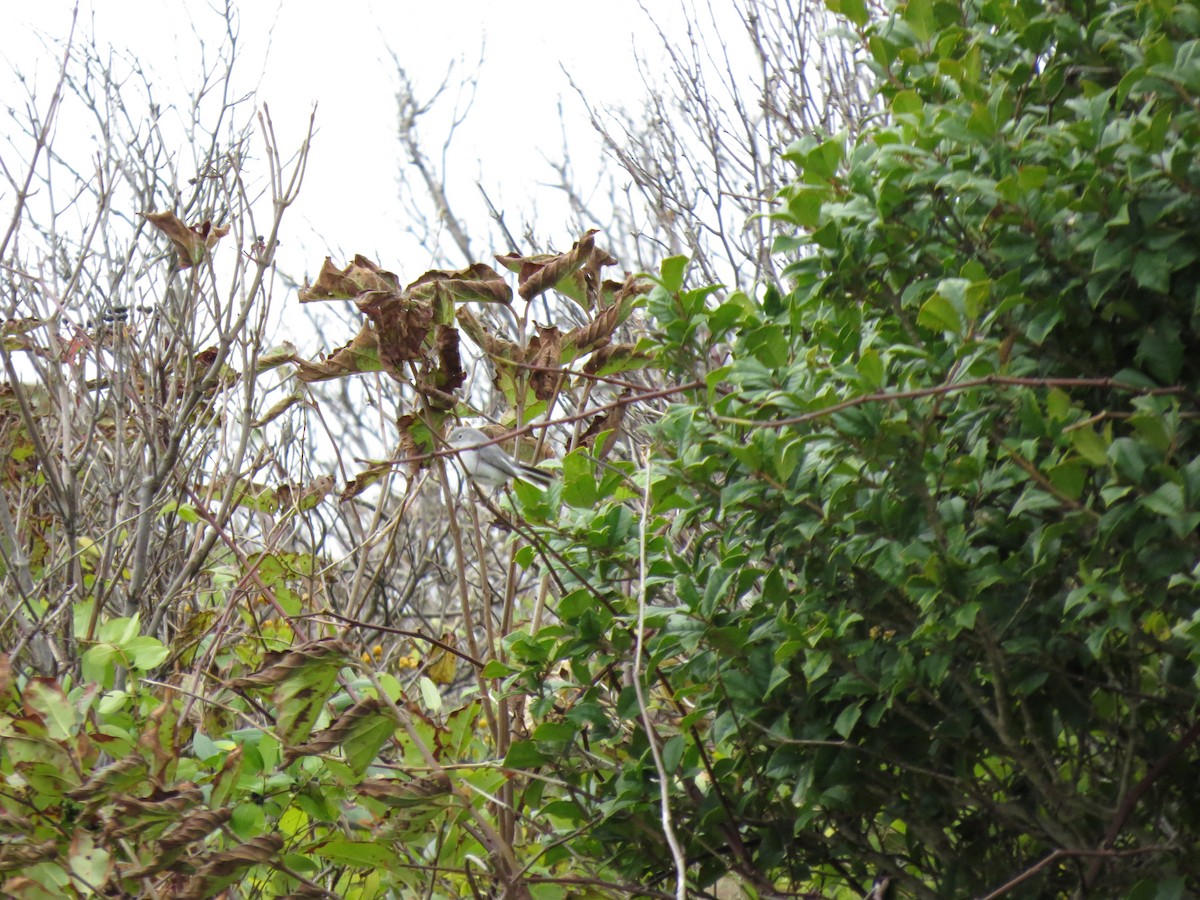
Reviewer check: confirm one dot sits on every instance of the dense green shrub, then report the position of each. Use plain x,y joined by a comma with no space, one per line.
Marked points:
924,550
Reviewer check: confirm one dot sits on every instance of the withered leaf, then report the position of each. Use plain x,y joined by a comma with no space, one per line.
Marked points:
401,326
365,479
135,813
613,358
119,776
18,856
477,282
258,850
589,278
279,666
276,356
493,346
399,794
415,440
360,731
610,422
544,354
438,400
360,355
12,823
626,294
206,357
194,827
588,337
344,284
303,497
302,679
228,778
450,374
217,870
20,326
279,408
575,274
192,242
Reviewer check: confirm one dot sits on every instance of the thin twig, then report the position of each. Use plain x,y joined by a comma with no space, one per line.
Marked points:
664,779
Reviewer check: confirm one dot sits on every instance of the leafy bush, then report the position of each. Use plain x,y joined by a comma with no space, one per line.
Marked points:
925,545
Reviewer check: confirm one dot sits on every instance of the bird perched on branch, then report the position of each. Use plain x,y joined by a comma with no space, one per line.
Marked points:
485,463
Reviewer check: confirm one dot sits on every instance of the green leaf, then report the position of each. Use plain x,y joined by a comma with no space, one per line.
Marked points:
367,735
430,695
579,480
1152,270
524,755
145,652
870,369
358,854
247,820
494,668
672,753
1166,501
1069,478
847,719
672,272
308,681
918,14
1161,351
1032,178
804,208
98,664
1091,446
824,161
556,732
854,10
939,314
58,713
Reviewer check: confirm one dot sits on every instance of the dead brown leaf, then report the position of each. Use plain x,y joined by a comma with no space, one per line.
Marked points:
477,282
575,273
345,284
610,422
360,355
401,327
588,337
450,374
192,242
545,355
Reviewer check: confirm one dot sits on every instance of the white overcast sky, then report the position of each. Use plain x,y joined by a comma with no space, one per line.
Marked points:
300,52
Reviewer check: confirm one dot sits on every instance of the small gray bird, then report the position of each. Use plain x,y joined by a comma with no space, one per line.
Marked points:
489,465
